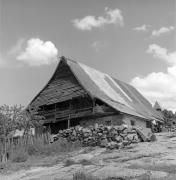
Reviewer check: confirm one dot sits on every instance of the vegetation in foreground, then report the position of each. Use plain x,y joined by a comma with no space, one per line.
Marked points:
84,176
37,153
18,149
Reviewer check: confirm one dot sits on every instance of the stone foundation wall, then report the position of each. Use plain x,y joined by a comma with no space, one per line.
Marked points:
106,120
115,120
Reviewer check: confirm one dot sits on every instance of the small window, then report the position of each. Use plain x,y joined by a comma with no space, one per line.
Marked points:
133,122
173,122
108,123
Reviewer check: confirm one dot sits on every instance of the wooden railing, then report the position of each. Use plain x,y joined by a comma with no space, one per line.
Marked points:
52,115
72,113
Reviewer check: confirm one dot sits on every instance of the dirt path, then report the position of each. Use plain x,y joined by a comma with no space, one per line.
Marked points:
141,161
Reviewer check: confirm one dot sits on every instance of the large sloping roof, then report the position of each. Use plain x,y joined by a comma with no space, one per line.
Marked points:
117,94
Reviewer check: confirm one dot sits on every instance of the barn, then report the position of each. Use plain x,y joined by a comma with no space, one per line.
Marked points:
77,94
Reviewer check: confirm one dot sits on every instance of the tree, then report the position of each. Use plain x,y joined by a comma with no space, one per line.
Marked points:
168,116
10,119
13,118
168,113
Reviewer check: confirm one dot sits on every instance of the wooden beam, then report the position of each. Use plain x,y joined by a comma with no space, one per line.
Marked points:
93,109
69,113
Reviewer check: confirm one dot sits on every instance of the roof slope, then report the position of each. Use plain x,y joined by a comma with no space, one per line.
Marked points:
117,94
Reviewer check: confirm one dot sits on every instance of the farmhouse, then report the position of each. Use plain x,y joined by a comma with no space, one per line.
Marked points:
80,95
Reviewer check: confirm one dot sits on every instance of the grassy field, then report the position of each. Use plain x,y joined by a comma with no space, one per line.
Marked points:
142,161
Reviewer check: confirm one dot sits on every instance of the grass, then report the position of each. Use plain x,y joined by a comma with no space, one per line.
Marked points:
87,150
84,176
135,158
19,156
171,135
22,156
159,167
83,162
57,147
69,162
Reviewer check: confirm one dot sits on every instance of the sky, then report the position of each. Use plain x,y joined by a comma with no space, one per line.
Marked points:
132,40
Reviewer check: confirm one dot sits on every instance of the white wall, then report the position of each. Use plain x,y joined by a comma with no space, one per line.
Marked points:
115,120
138,121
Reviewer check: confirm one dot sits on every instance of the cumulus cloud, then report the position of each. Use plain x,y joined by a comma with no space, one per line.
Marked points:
143,28
160,86
36,52
89,22
17,48
162,30
162,53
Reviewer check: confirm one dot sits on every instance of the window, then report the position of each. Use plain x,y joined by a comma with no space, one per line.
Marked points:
133,122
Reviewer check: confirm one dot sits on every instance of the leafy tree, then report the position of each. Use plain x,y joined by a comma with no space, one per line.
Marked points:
13,118
168,113
168,116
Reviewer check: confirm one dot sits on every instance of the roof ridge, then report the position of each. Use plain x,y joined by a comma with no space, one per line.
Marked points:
68,59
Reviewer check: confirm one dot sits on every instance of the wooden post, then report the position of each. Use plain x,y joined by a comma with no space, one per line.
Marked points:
69,114
69,122
93,105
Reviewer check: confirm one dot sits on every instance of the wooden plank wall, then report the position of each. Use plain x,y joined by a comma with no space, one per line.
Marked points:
62,87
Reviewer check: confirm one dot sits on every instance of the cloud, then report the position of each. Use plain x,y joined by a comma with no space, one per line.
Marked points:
97,45
141,28
162,53
17,48
160,86
89,22
162,30
35,52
